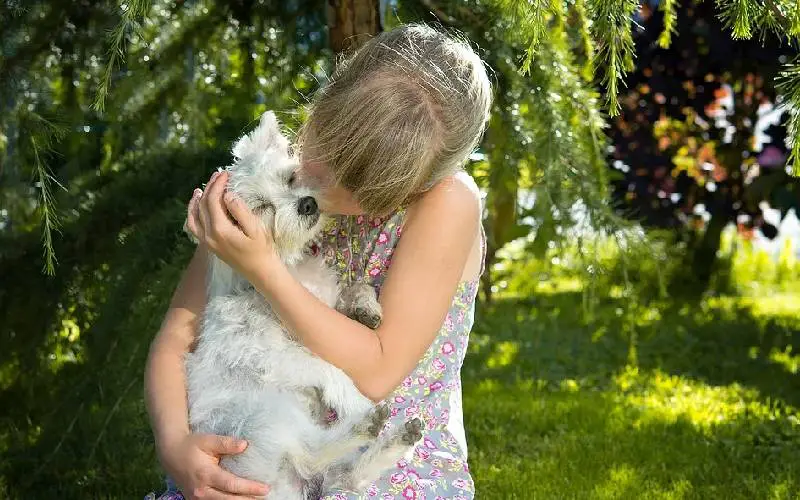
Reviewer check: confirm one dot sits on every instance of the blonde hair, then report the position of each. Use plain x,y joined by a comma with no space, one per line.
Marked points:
401,113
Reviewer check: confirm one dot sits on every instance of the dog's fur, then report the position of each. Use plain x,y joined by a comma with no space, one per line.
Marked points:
248,379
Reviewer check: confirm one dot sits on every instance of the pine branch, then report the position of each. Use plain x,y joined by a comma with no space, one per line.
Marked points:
738,15
50,221
780,17
531,19
794,19
132,13
670,10
612,22
42,134
584,31
789,86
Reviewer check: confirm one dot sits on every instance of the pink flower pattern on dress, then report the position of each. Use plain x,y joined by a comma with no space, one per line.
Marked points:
428,391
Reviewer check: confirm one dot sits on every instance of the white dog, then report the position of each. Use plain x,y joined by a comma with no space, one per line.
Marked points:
248,379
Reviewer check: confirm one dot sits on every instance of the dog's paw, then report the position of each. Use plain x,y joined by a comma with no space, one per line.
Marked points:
367,317
189,233
412,431
360,303
377,419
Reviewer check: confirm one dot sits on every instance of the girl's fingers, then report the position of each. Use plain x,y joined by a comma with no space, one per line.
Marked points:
241,214
214,494
215,208
226,482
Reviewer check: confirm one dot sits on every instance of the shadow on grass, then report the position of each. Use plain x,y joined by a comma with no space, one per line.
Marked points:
720,341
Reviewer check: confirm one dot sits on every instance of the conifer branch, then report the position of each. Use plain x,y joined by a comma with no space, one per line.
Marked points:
585,36
670,10
50,221
738,16
781,18
132,12
789,86
42,134
612,23
530,18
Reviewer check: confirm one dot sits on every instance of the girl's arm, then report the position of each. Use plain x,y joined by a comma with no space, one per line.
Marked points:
439,233
191,459
165,380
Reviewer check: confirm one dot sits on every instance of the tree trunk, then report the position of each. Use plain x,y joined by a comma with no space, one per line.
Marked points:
705,253
503,184
352,22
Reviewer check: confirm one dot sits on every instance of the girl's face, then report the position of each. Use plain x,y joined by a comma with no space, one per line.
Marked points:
334,199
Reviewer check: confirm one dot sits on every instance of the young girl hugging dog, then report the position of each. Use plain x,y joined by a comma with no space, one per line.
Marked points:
385,143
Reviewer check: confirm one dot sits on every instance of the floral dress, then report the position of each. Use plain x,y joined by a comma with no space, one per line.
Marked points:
360,247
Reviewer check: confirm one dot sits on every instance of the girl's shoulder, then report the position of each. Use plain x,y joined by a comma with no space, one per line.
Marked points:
457,196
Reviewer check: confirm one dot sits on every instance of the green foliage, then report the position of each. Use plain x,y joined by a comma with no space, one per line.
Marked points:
45,133
789,86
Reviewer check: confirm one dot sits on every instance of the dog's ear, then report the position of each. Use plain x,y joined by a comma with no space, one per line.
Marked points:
267,135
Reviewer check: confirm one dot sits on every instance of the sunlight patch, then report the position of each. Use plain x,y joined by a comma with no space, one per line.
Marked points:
669,397
789,362
504,354
559,285
620,480
776,305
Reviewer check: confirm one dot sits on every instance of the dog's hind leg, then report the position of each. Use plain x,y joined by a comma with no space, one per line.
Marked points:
339,441
377,458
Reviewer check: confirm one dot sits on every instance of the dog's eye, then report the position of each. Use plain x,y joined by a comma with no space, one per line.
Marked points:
292,178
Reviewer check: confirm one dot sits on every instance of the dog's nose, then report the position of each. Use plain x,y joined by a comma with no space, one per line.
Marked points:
307,206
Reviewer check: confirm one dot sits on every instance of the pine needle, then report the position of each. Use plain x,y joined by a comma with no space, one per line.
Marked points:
132,12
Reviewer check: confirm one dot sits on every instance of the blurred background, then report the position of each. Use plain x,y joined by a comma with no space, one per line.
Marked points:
637,327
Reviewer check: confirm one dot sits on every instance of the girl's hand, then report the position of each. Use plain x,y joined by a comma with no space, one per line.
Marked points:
193,463
229,229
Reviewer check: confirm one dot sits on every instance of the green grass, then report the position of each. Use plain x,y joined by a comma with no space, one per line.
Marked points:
695,401
669,399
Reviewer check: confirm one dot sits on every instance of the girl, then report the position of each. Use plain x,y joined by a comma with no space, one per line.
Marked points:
385,142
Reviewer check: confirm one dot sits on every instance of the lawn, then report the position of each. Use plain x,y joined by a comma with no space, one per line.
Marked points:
679,401
667,400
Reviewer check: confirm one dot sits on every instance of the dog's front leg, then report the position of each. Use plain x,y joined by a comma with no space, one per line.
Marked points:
360,303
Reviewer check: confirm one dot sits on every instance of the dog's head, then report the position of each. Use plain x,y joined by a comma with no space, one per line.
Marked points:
263,176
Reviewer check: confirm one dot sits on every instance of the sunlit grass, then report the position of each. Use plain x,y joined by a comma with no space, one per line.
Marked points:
671,398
